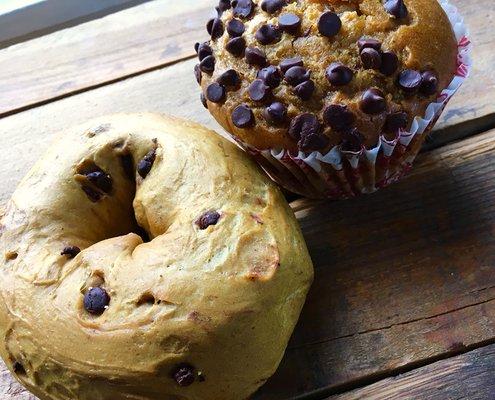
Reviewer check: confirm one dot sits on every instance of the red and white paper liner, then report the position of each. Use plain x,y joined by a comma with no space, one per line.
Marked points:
341,174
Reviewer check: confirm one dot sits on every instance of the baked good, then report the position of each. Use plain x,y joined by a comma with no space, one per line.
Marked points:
145,257
312,75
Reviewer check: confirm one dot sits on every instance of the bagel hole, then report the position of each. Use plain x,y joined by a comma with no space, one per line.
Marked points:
147,299
86,167
11,255
127,162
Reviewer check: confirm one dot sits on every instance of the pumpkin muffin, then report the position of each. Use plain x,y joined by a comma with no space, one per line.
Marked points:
310,76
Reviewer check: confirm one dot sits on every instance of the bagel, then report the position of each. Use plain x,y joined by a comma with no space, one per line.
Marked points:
146,258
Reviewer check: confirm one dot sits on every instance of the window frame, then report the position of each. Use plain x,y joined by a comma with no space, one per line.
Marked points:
38,17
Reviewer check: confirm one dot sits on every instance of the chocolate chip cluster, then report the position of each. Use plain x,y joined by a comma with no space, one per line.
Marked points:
309,129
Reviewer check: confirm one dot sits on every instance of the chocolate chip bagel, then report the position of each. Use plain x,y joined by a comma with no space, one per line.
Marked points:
145,257
307,75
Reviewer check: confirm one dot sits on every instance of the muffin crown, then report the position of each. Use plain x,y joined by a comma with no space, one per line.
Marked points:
315,74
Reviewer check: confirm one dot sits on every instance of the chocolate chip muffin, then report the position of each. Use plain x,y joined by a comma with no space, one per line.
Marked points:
145,257
311,75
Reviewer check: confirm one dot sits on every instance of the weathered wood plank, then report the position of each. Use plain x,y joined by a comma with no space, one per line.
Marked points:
470,376
152,35
139,39
402,277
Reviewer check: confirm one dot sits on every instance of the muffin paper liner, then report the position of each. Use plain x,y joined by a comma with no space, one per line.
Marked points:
342,174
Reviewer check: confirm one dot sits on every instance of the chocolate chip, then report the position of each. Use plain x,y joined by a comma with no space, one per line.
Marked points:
215,93
288,63
397,8
92,194
207,65
243,8
101,180
365,43
390,63
338,117
209,25
373,101
229,78
236,46
371,58
255,56
258,91
338,74
352,141
224,5
306,129
235,28
268,34
197,73
304,125
204,50
296,75
275,113
96,300
395,122
313,142
217,28
305,90
184,375
429,83
202,97
329,24
289,23
207,219
196,47
409,80
270,75
272,6
70,251
242,116
144,166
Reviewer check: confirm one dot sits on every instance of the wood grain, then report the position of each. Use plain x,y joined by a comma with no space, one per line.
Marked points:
470,376
153,35
139,39
403,277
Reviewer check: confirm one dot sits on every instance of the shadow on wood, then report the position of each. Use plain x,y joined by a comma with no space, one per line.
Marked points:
403,277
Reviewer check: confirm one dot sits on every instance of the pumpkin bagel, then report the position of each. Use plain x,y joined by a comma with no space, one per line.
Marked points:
145,257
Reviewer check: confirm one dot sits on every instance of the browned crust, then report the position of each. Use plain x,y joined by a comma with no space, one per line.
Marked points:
425,41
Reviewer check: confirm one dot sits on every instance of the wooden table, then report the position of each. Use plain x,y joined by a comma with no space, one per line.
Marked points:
403,304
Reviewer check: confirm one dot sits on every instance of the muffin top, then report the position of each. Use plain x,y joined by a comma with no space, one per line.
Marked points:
311,74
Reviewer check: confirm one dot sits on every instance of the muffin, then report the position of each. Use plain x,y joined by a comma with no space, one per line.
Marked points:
329,96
